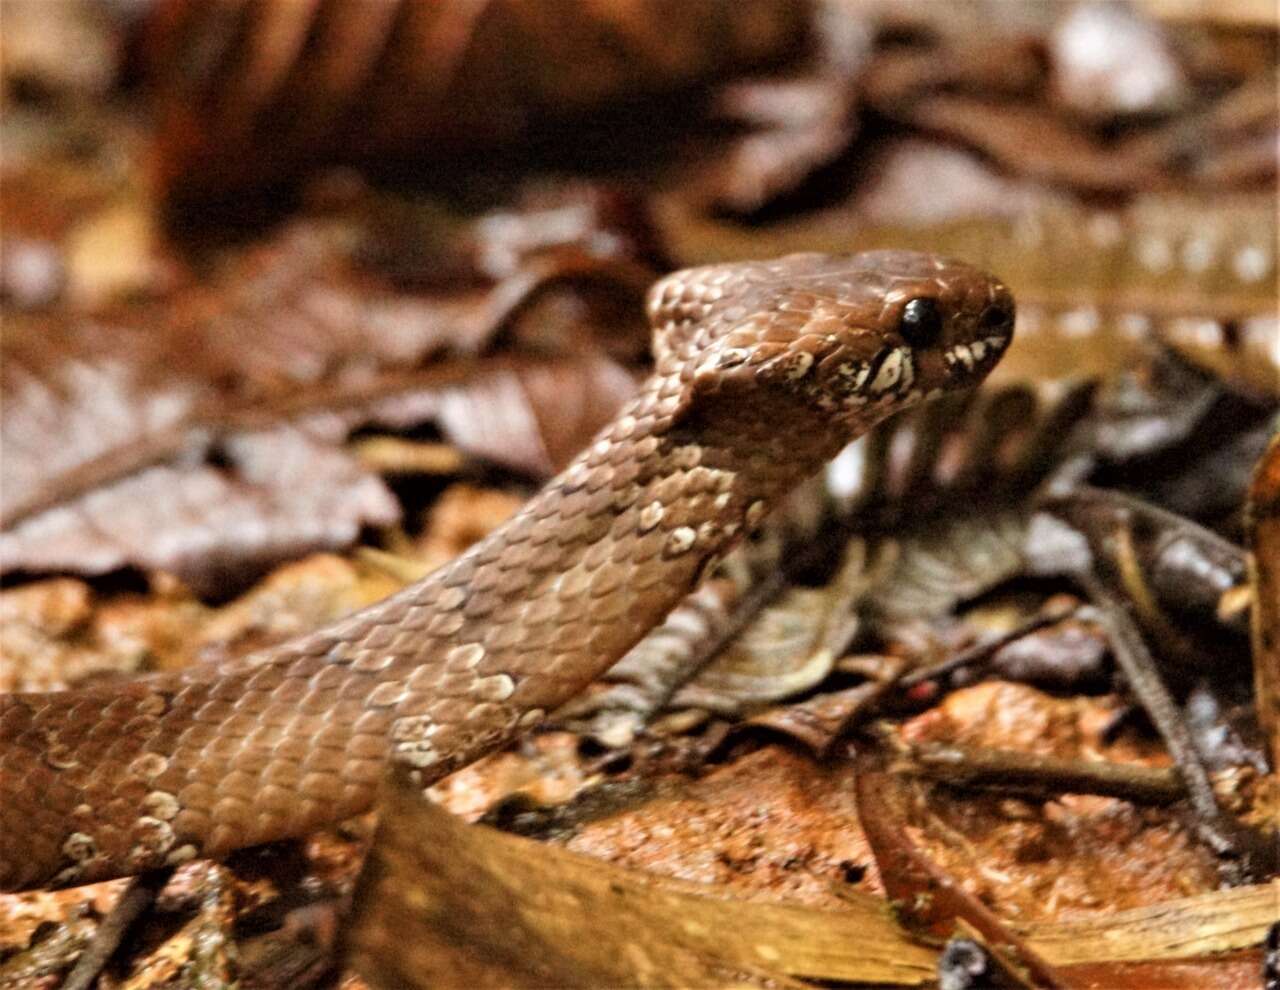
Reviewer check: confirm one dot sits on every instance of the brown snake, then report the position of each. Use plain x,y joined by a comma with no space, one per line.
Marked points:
763,371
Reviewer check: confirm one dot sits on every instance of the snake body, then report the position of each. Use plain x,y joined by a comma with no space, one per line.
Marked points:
763,370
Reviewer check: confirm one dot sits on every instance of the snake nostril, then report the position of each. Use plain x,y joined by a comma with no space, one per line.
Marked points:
920,323
995,317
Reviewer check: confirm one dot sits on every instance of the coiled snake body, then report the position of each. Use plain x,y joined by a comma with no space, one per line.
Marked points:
763,370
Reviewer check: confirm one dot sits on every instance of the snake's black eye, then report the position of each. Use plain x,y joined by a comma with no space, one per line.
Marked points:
920,323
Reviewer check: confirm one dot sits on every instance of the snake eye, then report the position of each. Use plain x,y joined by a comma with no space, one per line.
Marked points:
920,323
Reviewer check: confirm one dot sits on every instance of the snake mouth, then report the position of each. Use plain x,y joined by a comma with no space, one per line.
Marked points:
991,337
976,357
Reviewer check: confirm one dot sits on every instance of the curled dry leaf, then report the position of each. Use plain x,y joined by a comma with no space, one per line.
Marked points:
1024,139
958,557
791,647
532,416
637,687
777,656
819,721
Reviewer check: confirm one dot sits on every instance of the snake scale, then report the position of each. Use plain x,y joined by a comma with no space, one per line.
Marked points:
763,370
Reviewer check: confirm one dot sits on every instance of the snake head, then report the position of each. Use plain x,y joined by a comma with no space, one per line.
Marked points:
854,336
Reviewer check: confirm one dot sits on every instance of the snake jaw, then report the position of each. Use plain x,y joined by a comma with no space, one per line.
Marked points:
969,361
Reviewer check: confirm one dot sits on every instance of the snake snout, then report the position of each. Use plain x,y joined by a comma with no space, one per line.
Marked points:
984,338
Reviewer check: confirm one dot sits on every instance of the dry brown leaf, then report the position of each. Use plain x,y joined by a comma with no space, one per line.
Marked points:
805,123
282,494
949,559
789,648
819,721
634,689
1202,925
1028,140
209,443
441,904
410,80
534,417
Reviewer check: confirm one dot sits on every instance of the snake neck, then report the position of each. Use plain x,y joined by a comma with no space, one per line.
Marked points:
434,677
527,617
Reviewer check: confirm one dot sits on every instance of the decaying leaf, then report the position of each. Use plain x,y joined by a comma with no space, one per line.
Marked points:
806,123
938,566
532,416
1059,153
